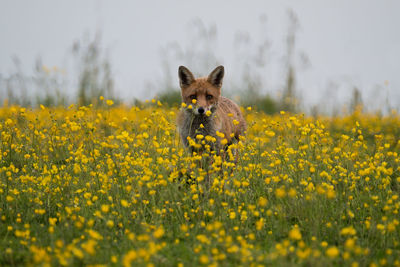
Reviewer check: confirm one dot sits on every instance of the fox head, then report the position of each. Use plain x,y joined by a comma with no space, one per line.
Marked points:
206,90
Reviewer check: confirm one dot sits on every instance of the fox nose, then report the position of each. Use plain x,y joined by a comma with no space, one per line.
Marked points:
200,110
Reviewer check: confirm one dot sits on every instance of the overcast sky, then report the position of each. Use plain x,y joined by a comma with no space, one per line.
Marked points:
348,43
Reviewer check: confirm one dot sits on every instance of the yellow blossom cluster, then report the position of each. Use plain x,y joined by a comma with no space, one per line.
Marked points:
115,186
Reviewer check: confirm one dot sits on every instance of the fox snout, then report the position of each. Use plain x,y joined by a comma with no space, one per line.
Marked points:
201,110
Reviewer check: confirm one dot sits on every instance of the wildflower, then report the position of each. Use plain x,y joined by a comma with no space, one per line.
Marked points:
332,252
89,246
78,253
269,133
295,234
184,228
349,244
129,258
259,224
110,224
292,192
280,192
348,231
95,235
124,203
159,232
199,136
105,208
203,259
203,239
262,201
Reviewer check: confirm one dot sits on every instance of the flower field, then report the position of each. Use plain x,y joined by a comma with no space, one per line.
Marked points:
114,186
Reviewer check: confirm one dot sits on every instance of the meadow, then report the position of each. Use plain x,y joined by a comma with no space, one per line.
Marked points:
114,186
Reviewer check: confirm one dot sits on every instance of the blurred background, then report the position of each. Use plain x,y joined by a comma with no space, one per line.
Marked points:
317,57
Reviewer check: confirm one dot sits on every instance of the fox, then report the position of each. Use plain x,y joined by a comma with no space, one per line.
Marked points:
205,112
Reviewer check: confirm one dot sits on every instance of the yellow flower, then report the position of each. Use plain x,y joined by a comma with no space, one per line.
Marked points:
262,201
199,136
332,252
110,224
95,235
203,259
270,133
184,228
348,231
124,203
259,224
159,232
109,102
280,192
52,221
349,244
295,234
78,253
203,239
232,215
292,192
114,259
89,246
105,208
129,258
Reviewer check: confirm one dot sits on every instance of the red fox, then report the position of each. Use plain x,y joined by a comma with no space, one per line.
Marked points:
206,114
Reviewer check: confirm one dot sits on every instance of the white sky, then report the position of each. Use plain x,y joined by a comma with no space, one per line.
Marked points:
349,43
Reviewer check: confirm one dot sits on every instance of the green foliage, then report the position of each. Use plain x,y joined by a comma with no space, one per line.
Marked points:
95,75
171,97
265,103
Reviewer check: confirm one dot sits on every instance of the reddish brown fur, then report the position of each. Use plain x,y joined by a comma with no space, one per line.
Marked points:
207,92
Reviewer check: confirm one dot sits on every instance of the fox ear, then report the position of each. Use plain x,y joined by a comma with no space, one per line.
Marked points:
216,76
186,78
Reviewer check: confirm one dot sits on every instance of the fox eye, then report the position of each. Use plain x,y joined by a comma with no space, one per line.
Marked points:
209,97
192,97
